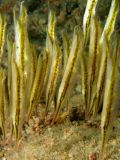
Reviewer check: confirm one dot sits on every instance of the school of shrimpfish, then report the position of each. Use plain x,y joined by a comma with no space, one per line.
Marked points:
28,77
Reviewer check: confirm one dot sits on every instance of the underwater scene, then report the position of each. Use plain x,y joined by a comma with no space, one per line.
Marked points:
59,80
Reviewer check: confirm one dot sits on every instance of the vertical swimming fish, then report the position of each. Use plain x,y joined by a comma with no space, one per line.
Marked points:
10,52
11,81
108,101
110,23
47,67
6,95
16,98
76,49
97,97
21,40
2,112
33,61
84,77
93,57
104,50
51,25
90,9
2,34
22,58
38,83
103,47
107,32
50,39
33,67
49,56
49,45
66,48
52,81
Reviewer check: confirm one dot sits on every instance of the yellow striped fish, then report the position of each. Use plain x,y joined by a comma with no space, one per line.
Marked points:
22,58
6,95
33,60
46,70
90,9
76,49
97,96
52,81
49,56
16,98
31,75
93,57
49,43
51,25
10,52
66,49
22,49
2,34
101,75
108,102
38,83
110,23
84,77
2,109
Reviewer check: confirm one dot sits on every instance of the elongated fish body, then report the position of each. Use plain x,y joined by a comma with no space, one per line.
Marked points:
2,34
116,103
100,83
33,62
75,50
108,101
110,23
22,47
107,32
49,44
51,25
11,83
90,9
49,47
38,83
44,72
16,99
22,58
49,41
10,52
2,112
49,55
93,56
84,76
52,81
32,72
21,41
6,96
66,49
18,55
